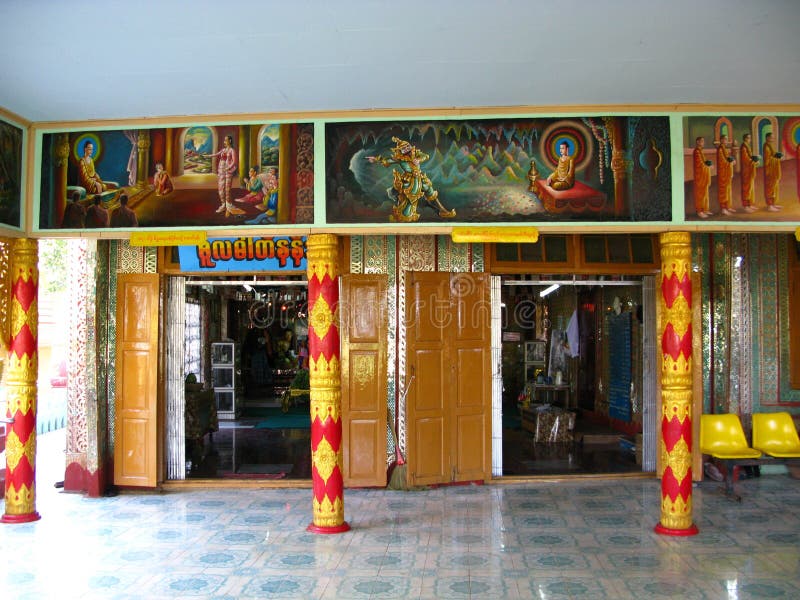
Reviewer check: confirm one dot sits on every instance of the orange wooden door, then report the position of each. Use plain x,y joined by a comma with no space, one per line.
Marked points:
449,402
362,309
471,368
135,450
427,321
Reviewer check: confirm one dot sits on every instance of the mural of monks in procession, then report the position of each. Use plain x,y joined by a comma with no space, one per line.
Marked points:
203,175
742,168
499,170
10,174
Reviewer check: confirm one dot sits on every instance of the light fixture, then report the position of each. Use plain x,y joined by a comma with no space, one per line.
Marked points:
248,287
549,290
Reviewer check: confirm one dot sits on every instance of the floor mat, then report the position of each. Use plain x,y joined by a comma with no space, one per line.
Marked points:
287,421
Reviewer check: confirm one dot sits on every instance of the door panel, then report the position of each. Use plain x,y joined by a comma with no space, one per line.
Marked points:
448,353
362,308
135,450
430,450
426,403
472,382
367,456
469,364
471,448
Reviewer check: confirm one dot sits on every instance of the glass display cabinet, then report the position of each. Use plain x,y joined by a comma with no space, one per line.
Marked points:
224,380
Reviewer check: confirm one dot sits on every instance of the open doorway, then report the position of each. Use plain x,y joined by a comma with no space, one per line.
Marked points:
245,366
573,354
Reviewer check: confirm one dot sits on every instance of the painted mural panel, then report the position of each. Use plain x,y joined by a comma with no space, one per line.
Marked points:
742,168
10,174
202,175
499,170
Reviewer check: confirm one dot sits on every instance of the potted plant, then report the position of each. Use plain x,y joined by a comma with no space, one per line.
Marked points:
192,384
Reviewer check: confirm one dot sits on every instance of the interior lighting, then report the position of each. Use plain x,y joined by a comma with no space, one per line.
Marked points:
549,290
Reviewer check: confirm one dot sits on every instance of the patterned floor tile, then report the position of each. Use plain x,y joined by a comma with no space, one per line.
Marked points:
533,540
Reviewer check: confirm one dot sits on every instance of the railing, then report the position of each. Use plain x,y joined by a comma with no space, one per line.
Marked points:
51,413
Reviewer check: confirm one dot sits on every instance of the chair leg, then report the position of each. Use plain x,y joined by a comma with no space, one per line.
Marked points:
731,472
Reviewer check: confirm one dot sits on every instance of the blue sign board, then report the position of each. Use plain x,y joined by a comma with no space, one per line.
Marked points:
275,253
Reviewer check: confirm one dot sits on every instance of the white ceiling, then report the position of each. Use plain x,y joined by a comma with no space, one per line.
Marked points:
105,59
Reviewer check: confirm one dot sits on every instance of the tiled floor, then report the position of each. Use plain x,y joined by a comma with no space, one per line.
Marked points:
582,539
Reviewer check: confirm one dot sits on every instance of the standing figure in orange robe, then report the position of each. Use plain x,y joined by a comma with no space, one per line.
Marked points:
772,174
724,176
748,173
702,179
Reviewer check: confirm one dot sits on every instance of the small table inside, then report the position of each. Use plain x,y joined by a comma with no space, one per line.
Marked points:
550,393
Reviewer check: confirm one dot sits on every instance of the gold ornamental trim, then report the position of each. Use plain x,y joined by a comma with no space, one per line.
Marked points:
680,460
321,318
494,234
20,317
676,373
322,254
327,513
674,404
20,397
20,501
363,369
326,459
15,450
673,238
322,368
328,406
678,514
680,315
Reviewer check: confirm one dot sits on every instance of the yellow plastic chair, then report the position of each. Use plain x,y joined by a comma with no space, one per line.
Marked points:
722,437
775,434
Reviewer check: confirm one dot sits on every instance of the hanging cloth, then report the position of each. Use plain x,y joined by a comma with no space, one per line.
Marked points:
573,336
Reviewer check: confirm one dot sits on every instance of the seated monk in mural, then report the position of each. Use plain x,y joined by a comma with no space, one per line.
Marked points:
90,178
563,178
162,183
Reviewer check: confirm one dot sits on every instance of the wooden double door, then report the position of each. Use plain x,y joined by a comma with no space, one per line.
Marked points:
448,406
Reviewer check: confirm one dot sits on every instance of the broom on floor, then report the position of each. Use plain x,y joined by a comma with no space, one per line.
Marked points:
398,479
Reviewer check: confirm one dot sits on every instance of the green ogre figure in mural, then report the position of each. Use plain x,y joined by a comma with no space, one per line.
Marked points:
410,183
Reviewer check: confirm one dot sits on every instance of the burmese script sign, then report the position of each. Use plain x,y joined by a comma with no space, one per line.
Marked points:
280,253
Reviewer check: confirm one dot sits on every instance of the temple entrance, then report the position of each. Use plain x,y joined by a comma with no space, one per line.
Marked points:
574,397
245,366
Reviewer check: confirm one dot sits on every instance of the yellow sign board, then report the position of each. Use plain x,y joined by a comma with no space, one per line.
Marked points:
167,238
462,235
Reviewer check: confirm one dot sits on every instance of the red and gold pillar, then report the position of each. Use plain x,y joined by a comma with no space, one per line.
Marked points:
325,383
20,379
676,385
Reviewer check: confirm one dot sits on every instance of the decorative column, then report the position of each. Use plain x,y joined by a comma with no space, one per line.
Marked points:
620,165
244,151
142,158
676,385
61,150
20,378
325,384
169,160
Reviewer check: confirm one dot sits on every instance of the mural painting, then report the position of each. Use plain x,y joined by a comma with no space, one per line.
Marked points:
742,168
204,175
499,170
10,174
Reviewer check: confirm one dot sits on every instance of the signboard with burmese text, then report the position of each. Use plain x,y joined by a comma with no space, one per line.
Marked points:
274,254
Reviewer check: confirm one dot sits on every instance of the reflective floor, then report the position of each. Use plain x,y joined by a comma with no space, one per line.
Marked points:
259,448
582,539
